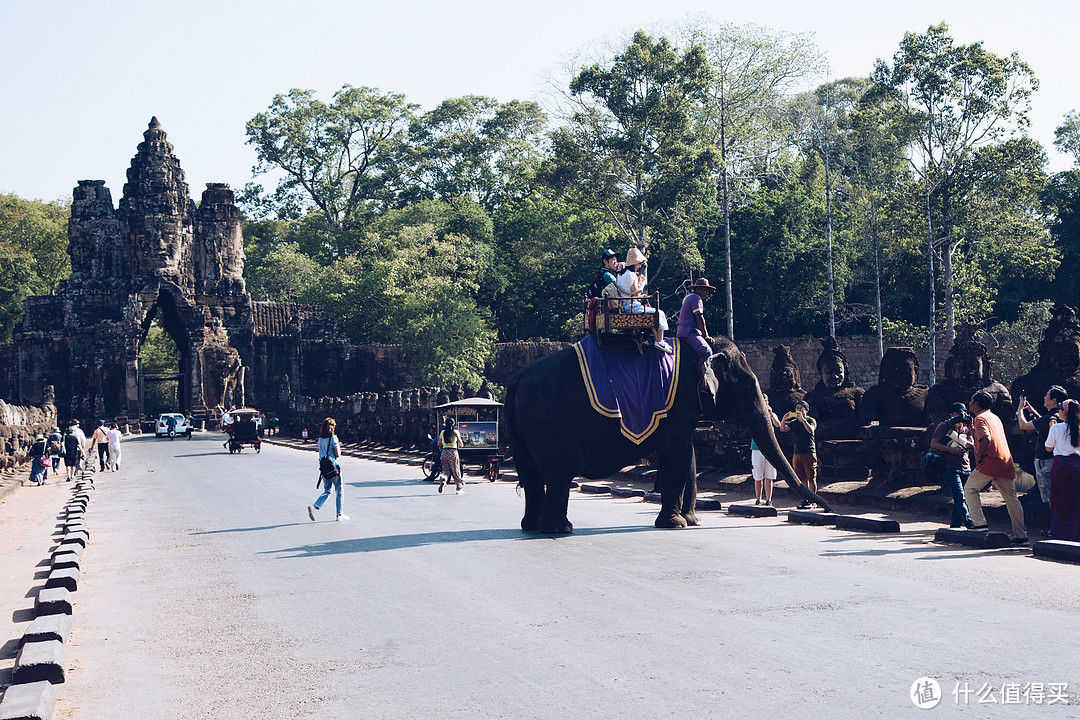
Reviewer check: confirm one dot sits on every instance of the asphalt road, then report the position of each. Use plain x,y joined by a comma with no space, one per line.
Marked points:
207,593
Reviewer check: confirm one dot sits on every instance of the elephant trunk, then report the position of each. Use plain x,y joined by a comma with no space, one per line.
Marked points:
761,429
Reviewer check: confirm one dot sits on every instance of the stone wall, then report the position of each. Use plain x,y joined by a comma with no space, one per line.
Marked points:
18,426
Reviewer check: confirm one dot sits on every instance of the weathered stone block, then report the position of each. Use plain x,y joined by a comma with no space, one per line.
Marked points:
65,548
707,504
973,538
595,489
62,561
627,492
866,524
811,517
52,601
48,627
38,661
752,510
64,578
28,701
77,536
1058,550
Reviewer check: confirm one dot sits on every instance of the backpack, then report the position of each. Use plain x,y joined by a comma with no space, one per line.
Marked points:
597,288
54,447
932,463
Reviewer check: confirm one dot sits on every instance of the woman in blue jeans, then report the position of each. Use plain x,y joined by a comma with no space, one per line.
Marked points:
954,441
329,448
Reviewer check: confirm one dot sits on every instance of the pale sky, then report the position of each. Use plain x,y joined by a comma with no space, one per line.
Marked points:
80,80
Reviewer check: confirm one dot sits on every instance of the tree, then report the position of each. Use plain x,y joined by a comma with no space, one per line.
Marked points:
741,115
951,99
333,157
472,148
33,254
1067,136
629,152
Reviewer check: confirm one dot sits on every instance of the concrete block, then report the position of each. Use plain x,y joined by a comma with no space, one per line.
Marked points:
39,661
595,489
707,504
973,538
1058,550
29,701
77,536
63,578
48,627
653,498
627,492
53,601
866,524
62,561
752,510
74,523
811,517
69,547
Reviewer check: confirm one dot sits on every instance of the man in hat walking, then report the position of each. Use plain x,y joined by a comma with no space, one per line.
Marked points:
692,321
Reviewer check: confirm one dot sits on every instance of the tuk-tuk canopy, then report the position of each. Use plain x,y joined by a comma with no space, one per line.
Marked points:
477,402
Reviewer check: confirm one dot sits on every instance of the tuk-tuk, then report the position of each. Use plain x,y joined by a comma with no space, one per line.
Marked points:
478,423
245,429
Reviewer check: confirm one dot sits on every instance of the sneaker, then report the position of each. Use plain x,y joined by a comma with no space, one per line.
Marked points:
342,518
980,528
767,503
1019,542
804,505
311,512
662,346
461,491
969,524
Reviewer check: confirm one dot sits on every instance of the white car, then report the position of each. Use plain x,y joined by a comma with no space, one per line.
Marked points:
161,427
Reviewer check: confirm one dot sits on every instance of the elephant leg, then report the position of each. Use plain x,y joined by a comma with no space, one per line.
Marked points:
534,502
689,493
675,464
553,518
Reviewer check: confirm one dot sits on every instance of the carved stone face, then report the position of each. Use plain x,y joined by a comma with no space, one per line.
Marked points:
1066,356
899,371
970,369
832,373
784,378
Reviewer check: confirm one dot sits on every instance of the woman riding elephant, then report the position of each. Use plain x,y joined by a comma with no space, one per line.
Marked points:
551,393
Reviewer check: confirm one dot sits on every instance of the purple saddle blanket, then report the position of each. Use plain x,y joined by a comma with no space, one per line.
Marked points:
638,388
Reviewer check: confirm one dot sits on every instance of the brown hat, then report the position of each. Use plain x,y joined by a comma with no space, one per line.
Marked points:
701,284
634,256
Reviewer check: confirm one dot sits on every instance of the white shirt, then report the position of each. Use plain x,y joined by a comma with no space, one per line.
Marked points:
1059,441
114,436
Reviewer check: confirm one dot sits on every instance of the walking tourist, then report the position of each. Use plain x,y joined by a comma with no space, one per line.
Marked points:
764,472
1044,460
804,450
74,442
55,444
100,440
449,442
1064,443
38,455
329,469
993,463
953,440
114,436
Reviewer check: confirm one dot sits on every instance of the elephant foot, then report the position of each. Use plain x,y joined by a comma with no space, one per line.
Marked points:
672,520
692,519
529,524
559,526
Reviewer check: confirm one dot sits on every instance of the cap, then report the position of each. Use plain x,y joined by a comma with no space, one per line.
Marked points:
958,407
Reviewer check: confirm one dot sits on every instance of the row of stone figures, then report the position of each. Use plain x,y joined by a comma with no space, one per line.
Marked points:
883,430
19,424
393,417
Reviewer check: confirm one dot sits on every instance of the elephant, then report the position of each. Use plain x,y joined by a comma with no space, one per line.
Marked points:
555,435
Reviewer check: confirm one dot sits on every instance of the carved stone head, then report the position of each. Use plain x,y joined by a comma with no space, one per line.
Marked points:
968,363
832,366
785,373
1059,351
899,368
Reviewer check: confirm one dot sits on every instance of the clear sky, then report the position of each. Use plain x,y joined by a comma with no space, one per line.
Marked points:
80,80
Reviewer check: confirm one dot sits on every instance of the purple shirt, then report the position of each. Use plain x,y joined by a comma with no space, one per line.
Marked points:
687,319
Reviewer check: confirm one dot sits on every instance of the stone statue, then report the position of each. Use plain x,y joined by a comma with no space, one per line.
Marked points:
784,387
967,371
485,391
834,401
898,400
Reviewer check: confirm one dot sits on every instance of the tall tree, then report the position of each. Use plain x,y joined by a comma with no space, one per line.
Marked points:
629,151
1067,136
742,113
33,254
332,157
953,98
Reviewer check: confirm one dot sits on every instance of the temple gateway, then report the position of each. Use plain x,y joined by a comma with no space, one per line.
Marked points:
159,256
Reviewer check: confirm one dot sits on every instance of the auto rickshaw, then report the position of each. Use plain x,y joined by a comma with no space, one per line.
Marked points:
245,429
478,423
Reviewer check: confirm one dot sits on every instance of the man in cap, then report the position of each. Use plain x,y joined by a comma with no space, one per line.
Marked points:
692,328
611,265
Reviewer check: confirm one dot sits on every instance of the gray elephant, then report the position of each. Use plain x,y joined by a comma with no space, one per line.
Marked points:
555,434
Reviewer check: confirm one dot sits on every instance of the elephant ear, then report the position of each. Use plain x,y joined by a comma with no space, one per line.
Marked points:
709,385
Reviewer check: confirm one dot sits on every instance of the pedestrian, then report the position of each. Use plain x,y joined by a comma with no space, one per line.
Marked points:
953,440
692,327
993,463
74,442
329,468
763,470
1044,460
100,440
273,424
804,450
1064,442
449,442
38,455
114,436
55,443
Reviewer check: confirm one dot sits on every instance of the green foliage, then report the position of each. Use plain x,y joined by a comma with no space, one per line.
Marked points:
1067,136
33,254
1017,342
904,334
158,354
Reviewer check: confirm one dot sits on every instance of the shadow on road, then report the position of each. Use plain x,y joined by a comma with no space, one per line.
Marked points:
249,529
400,542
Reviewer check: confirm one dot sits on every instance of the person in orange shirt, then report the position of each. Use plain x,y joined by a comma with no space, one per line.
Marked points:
993,463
